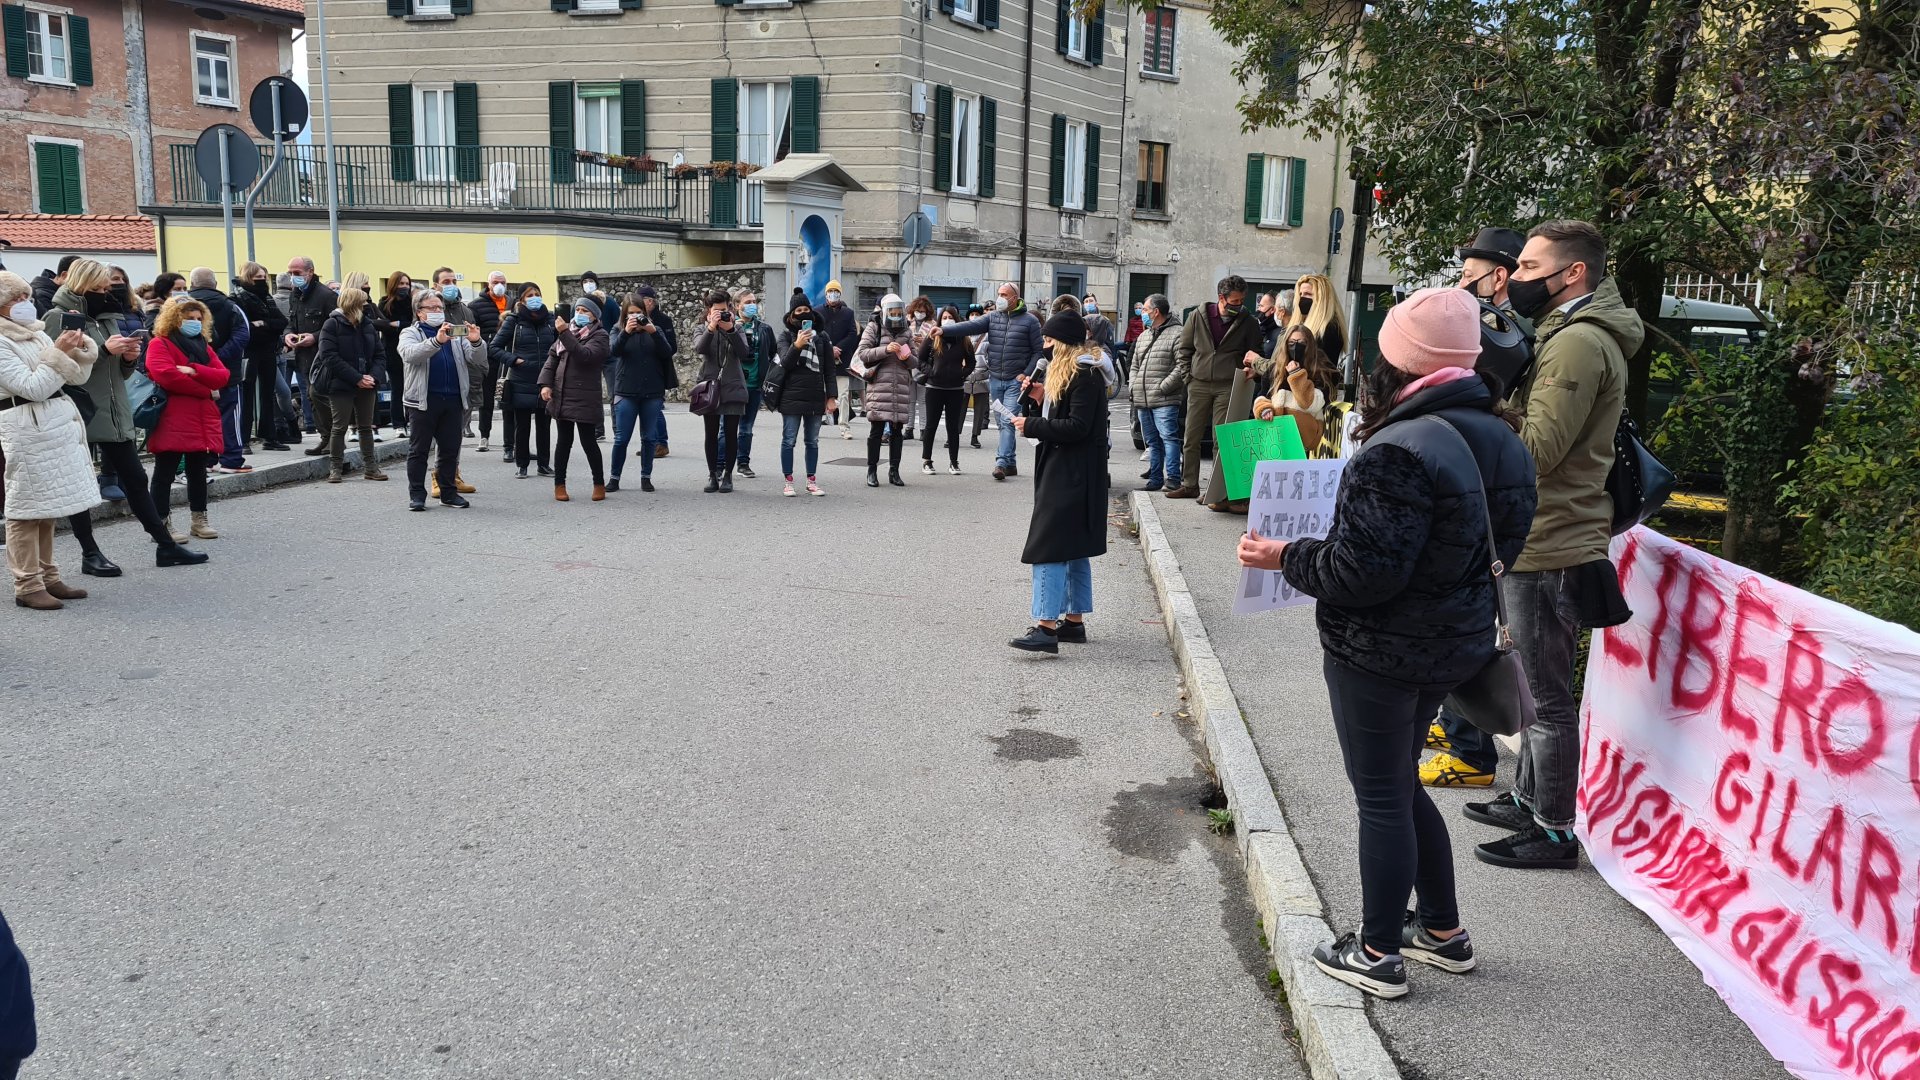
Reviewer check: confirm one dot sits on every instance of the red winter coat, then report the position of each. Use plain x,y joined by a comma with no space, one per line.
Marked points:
191,421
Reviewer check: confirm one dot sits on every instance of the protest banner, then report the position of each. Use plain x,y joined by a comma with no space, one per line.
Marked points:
1750,779
1237,448
1289,500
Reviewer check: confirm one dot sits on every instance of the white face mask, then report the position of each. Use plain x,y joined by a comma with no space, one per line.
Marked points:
1000,303
833,296
435,318
500,289
23,312
592,287
946,322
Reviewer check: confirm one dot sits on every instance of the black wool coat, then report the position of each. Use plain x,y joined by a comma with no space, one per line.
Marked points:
1403,577
520,347
802,380
1070,475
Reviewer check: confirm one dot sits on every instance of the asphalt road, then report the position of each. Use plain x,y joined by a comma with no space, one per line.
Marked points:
1573,982
667,786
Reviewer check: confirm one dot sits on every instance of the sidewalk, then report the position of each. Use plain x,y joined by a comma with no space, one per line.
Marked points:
271,468
1573,982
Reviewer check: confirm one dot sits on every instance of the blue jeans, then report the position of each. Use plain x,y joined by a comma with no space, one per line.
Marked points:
790,430
1062,588
1006,392
234,440
651,413
745,456
1161,428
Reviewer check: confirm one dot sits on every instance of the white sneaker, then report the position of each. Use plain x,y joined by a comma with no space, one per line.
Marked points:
814,489
788,490
846,432
927,467
953,470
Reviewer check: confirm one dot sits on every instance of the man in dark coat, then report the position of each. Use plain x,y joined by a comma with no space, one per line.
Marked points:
17,1035
266,325
308,305
232,333
1210,356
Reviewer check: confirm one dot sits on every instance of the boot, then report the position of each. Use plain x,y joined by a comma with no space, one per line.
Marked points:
60,590
599,493
726,482
201,530
713,482
178,537
893,477
96,564
333,473
38,600
373,473
460,484
560,493
873,476
175,555
433,487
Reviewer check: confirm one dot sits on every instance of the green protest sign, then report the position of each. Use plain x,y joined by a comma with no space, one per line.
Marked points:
1237,448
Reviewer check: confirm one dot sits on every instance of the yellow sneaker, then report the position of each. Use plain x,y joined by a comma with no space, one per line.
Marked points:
1437,737
1445,770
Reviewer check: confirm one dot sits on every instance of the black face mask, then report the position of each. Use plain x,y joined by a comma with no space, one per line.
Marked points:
1231,311
257,288
1297,351
1531,296
1306,306
1474,287
119,294
103,304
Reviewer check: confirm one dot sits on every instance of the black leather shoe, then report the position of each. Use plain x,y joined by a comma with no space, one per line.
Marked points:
275,446
96,564
1073,633
175,555
613,484
1037,639
893,477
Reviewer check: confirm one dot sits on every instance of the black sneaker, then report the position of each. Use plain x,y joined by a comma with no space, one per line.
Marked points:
745,472
1532,849
1037,639
417,505
1348,961
456,501
1454,954
1073,633
1505,812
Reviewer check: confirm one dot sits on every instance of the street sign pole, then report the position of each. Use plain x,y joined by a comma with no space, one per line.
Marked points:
226,202
279,154
326,130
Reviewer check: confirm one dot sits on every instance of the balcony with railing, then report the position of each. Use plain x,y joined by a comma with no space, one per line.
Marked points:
535,179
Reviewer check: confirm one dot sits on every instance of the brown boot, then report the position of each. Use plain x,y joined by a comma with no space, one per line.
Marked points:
1184,493
333,474
560,493
460,484
599,493
38,600
374,474
201,530
60,590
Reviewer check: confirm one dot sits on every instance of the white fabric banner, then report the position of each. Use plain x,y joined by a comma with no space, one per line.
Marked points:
1290,500
1750,779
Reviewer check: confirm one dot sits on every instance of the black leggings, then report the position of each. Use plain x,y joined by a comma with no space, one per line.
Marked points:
1404,844
524,423
979,413
873,444
486,400
167,462
587,447
953,404
123,461
731,424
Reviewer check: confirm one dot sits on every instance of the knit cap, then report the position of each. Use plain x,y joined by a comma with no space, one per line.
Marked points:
12,284
1066,328
1431,330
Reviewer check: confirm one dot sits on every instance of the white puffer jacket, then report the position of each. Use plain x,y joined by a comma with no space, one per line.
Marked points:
49,473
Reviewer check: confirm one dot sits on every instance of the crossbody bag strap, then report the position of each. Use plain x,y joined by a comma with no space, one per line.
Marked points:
1493,550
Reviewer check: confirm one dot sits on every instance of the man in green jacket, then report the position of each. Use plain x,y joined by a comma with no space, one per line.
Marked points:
1213,346
1571,403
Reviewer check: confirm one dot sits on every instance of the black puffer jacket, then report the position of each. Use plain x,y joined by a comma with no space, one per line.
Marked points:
1403,576
644,364
521,347
348,353
802,381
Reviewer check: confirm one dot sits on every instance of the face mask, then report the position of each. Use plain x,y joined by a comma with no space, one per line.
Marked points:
1532,296
534,303
177,296
1297,351
1306,306
1000,303
101,304
833,296
1092,308
298,281
946,322
23,312
435,318
582,319
119,294
404,290
1231,311
450,292
1473,287
499,289
192,327
751,311
590,286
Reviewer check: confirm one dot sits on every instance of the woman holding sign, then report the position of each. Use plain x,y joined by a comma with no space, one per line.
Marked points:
1406,614
1302,386
1069,525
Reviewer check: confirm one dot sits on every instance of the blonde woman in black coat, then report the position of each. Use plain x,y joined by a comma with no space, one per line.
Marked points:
1069,525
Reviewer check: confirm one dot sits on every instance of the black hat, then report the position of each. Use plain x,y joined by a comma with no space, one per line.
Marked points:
797,301
1500,246
1066,328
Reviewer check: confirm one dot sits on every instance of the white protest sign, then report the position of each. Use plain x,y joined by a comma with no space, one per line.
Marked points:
1291,500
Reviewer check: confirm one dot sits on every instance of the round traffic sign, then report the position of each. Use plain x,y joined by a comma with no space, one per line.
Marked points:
243,158
293,107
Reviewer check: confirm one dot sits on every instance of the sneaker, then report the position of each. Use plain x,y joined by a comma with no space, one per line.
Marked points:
846,432
1505,812
745,472
275,446
927,467
1153,485
1073,633
483,448
1455,954
456,502
1146,455
1445,770
1437,737
1533,848
953,469
813,488
1349,961
235,469
1037,639
788,490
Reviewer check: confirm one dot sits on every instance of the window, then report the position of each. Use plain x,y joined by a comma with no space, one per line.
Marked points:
49,46
1074,194
596,7
433,7
213,70
1150,189
1156,49
433,132
596,119
967,9
58,186
1276,191
1077,37
1274,188
966,144
765,109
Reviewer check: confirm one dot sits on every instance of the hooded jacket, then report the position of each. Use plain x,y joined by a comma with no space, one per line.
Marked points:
107,386
49,474
573,369
1013,340
1572,402
889,394
520,347
1158,381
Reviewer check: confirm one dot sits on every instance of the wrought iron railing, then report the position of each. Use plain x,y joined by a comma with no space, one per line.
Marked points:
471,178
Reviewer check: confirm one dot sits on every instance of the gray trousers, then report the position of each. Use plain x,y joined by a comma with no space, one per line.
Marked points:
1546,629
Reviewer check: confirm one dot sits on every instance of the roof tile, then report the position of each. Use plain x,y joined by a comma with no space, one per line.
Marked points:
77,233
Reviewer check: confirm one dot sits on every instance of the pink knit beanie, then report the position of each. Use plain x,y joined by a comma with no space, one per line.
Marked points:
1431,330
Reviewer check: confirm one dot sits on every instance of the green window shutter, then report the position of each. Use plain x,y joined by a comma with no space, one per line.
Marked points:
1096,36
946,7
70,180
560,130
629,5
806,114
466,132
1063,13
400,129
633,125
1057,169
14,18
1297,198
399,9
1091,200
460,7
58,169
990,14
560,5
943,138
989,121
80,45
724,115
1256,179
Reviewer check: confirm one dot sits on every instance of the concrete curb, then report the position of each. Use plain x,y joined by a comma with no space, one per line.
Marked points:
228,485
1336,1037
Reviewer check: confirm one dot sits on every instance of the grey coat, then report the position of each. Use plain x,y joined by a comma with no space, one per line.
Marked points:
1158,380
889,379
416,352
720,355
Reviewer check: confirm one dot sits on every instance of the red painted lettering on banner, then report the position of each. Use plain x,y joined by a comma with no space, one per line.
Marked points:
1852,691
1779,853
1800,696
1731,797
1826,850
1609,780
1699,630
1663,611
1742,667
1614,641
1878,877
